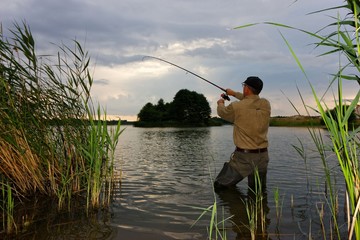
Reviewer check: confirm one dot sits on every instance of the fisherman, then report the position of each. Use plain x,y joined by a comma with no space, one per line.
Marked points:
250,116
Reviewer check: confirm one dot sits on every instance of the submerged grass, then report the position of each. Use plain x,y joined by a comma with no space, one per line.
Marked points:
52,141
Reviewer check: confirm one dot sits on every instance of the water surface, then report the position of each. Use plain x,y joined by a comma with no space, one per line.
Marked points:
167,172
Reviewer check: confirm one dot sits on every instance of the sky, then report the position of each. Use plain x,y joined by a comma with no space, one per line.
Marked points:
199,35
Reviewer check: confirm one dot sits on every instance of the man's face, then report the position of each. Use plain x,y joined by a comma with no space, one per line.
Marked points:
245,89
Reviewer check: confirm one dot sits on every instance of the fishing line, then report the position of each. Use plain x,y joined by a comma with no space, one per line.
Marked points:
225,96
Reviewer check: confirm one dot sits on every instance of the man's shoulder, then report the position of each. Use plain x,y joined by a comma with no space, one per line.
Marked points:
264,102
264,99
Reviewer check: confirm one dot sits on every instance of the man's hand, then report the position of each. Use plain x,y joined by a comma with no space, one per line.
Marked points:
230,92
221,101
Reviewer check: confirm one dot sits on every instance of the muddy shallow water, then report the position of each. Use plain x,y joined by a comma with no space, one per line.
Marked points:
167,176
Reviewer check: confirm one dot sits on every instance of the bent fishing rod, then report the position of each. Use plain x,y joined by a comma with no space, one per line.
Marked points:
225,96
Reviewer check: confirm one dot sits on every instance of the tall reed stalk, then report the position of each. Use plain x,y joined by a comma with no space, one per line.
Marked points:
50,144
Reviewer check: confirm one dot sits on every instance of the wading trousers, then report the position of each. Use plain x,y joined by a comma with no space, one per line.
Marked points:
242,165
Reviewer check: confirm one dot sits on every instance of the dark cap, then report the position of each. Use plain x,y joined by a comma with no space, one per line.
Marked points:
255,83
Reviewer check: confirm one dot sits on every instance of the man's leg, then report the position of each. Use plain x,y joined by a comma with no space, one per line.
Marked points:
227,177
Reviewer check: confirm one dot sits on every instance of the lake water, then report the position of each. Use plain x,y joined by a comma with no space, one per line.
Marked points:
167,173
167,178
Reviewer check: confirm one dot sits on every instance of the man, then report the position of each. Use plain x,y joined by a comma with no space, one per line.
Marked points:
251,117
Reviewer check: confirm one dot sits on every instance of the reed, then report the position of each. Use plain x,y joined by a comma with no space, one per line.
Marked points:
50,143
345,142
99,152
253,205
251,212
255,208
8,209
217,224
330,192
216,228
343,137
278,206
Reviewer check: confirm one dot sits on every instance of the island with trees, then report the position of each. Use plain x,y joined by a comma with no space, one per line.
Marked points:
188,109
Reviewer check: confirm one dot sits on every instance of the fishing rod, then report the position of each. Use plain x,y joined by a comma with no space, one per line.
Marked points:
225,96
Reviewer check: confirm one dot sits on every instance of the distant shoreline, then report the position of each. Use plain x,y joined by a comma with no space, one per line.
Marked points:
277,121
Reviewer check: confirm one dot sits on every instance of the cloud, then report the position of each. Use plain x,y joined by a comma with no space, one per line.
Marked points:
101,82
197,35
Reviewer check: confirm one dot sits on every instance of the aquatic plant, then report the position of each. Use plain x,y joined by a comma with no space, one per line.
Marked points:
253,204
216,228
278,206
344,40
255,208
342,134
50,142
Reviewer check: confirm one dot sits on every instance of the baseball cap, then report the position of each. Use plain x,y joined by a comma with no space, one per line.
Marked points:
255,83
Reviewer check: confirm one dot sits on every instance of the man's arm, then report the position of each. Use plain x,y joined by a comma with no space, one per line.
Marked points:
226,113
237,95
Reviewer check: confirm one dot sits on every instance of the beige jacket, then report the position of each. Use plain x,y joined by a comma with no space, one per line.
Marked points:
251,117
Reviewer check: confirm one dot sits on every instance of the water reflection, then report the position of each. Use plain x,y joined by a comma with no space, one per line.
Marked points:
179,152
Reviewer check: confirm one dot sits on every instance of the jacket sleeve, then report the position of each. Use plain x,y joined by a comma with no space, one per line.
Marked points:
239,95
226,113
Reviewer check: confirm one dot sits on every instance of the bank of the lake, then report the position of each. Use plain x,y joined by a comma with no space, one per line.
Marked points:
295,121
277,121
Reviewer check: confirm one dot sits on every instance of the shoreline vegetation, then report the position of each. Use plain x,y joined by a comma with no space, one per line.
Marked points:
276,121
53,146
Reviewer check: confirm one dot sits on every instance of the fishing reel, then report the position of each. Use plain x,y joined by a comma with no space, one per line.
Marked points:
225,96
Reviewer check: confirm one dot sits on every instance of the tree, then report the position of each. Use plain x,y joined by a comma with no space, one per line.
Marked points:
148,113
162,109
187,108
190,107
